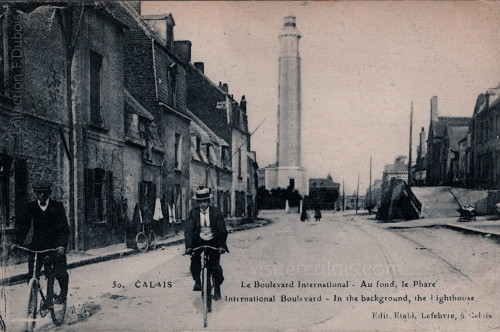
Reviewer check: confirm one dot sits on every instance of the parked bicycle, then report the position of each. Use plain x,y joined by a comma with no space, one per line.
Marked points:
56,306
206,282
146,238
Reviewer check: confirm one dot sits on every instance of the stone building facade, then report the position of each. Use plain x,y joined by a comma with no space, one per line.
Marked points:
206,166
442,146
485,143
227,118
155,75
67,84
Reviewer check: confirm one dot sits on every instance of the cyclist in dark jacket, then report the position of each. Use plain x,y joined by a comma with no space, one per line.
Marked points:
50,230
206,226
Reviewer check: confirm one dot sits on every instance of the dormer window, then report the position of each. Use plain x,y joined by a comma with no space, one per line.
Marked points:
170,36
198,145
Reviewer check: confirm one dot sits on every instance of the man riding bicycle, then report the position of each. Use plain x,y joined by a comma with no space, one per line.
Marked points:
50,230
206,226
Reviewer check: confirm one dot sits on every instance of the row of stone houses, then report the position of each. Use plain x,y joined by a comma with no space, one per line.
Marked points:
107,104
462,151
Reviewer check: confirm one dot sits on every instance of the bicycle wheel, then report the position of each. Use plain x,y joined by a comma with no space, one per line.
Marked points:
205,296
31,307
3,328
152,239
58,311
142,241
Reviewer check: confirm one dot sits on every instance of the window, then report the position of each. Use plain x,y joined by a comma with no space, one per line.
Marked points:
292,184
178,151
143,128
147,195
95,88
239,163
170,36
172,78
3,48
224,155
98,195
198,145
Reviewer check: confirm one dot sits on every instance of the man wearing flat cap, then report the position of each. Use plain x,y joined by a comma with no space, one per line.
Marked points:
50,231
206,226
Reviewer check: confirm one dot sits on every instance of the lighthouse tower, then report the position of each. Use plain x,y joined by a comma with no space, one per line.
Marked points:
288,172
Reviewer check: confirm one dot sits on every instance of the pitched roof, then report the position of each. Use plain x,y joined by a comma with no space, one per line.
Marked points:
449,121
135,106
455,135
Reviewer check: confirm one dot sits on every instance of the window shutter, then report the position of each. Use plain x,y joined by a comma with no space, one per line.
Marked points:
89,194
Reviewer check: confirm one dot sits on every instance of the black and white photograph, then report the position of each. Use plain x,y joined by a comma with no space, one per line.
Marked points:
249,165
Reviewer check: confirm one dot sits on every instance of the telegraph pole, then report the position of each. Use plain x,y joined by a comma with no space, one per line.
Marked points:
343,196
409,152
370,189
357,195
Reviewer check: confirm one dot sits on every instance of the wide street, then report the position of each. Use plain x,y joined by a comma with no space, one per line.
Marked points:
345,272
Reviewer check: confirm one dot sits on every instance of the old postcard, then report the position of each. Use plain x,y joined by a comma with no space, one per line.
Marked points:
250,165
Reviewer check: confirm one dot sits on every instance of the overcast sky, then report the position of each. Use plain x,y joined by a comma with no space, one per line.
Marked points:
363,63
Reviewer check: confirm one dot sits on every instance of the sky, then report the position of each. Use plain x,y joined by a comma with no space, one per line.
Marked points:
362,65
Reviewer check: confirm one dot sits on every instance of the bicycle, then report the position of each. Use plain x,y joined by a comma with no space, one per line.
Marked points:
146,238
58,310
206,282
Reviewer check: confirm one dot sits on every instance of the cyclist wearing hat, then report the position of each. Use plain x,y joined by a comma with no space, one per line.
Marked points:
206,226
50,231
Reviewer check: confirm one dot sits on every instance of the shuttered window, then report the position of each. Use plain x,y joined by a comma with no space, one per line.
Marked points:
95,88
98,195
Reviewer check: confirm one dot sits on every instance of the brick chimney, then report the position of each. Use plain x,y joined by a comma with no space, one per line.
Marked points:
423,146
224,87
183,50
200,66
434,108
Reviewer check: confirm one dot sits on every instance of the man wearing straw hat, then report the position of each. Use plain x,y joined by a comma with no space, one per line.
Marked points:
206,226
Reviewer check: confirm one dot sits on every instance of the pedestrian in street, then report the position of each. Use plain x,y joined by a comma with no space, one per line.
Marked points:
206,226
50,231
317,213
304,216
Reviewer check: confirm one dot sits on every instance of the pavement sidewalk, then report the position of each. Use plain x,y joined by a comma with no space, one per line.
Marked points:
488,226
17,273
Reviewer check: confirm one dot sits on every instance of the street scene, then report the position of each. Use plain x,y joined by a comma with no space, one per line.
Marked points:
239,165
152,291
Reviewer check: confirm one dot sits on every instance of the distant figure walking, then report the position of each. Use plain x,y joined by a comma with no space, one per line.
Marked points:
317,213
304,216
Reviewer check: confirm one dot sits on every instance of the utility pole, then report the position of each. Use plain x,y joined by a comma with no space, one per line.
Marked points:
370,189
357,195
343,196
409,152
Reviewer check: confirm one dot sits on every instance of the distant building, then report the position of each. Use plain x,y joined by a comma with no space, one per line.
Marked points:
419,170
323,192
465,158
398,170
376,193
350,202
442,146
485,142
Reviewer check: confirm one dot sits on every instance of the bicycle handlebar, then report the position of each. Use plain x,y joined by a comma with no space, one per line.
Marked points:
36,251
202,247
209,247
